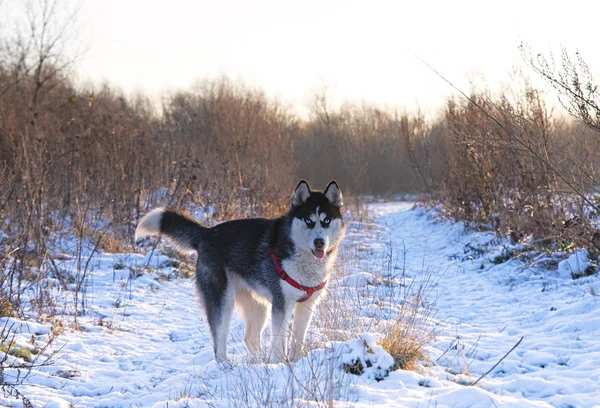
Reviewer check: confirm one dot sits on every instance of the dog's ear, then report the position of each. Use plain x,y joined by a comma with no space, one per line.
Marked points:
334,194
301,193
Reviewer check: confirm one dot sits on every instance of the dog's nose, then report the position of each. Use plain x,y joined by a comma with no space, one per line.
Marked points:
319,243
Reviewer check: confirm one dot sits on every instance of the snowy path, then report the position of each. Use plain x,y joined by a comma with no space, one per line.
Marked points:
486,308
145,342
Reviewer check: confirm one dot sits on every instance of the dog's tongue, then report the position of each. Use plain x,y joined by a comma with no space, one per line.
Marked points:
319,253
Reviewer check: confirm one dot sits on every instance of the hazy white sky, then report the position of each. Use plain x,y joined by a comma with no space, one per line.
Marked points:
359,51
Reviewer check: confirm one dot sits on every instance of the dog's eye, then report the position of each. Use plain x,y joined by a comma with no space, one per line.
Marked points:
326,221
308,221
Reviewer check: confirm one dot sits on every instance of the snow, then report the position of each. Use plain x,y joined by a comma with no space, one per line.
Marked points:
144,342
575,265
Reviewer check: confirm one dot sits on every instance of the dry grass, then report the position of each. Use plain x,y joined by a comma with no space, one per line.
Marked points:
405,339
6,307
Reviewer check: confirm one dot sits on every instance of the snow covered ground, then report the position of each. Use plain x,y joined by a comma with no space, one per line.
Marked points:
144,342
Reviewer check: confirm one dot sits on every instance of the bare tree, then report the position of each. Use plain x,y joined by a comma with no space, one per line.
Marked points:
576,86
40,48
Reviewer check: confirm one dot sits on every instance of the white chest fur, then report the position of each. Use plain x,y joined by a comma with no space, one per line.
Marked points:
307,270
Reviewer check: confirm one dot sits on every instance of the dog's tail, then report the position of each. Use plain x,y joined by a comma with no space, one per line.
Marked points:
182,231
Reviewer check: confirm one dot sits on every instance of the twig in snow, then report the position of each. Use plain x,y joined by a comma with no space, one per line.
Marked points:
499,361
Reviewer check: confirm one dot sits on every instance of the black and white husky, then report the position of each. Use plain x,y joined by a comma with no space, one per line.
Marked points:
257,265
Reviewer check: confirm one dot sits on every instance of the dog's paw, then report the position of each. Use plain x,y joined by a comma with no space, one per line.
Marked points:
226,365
223,361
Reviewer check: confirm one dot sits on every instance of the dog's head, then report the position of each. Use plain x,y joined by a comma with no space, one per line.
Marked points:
317,223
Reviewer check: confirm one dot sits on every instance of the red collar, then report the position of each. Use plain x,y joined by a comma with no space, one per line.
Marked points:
288,279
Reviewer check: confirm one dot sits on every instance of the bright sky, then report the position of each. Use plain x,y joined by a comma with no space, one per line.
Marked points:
358,51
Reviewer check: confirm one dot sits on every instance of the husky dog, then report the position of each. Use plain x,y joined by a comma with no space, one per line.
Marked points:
281,264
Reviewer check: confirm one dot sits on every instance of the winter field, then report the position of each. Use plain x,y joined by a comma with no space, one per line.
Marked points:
144,342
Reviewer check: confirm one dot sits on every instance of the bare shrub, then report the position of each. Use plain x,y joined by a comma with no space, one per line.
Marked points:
368,150
423,142
511,174
573,80
229,145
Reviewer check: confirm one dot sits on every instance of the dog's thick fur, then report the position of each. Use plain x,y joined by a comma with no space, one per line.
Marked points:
235,268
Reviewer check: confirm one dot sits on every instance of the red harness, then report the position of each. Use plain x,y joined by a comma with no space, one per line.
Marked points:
288,279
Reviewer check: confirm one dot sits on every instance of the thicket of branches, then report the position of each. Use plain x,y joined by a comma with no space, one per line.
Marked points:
515,167
370,150
84,157
73,156
219,144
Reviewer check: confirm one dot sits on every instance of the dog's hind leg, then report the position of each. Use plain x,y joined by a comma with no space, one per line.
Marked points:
219,319
218,295
254,313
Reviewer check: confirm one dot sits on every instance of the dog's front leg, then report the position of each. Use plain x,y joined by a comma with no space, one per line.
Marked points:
303,314
280,322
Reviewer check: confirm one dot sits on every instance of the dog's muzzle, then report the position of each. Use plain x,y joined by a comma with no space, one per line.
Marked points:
319,251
